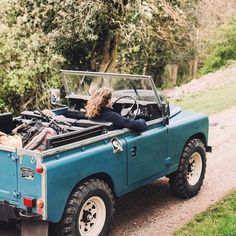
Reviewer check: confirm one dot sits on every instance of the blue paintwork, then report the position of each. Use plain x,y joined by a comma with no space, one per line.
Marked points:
158,150
151,151
13,187
8,183
28,187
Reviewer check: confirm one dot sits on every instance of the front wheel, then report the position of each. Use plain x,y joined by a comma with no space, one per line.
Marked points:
188,179
89,210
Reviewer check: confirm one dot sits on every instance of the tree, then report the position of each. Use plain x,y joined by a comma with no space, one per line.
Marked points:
28,66
132,36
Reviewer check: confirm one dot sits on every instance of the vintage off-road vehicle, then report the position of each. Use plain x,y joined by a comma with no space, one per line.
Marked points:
86,163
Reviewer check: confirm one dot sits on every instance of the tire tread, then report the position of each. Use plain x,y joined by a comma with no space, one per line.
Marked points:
178,180
67,223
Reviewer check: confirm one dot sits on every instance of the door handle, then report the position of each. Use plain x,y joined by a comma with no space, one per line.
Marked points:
116,144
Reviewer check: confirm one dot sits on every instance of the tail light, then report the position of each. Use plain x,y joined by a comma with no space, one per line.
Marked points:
40,203
39,169
29,202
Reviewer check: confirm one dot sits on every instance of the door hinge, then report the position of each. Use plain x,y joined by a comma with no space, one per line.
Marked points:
16,194
14,157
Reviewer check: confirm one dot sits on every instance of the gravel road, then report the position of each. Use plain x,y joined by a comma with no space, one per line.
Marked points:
152,211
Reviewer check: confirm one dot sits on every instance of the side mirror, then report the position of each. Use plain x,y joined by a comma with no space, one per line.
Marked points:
165,109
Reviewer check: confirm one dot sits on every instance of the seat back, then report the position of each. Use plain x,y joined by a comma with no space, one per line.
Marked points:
75,136
6,122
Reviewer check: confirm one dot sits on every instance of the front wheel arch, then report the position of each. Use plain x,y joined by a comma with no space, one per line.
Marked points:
199,136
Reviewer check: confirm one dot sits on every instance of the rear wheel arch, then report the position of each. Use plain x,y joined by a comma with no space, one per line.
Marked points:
102,176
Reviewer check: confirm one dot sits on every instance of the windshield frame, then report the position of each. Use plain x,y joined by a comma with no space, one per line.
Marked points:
113,75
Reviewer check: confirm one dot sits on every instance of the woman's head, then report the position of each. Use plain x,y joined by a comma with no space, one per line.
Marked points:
101,98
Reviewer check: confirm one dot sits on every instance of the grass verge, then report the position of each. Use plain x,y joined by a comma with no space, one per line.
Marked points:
209,101
218,220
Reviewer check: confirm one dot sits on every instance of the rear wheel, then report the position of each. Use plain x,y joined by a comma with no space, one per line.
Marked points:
89,210
188,179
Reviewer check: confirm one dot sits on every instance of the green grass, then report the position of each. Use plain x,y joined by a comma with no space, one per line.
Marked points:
218,220
209,101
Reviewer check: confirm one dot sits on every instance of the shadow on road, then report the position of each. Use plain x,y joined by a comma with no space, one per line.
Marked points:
9,229
140,207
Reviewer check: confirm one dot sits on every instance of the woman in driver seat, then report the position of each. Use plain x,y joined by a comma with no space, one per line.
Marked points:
99,108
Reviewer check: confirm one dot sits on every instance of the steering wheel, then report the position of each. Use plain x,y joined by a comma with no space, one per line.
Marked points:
128,112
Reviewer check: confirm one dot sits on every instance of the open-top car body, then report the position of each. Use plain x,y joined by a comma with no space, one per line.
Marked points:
86,163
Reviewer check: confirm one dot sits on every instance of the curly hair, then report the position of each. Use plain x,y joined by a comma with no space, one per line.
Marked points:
98,100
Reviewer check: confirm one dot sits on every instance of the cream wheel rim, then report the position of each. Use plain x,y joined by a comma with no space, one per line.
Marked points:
194,168
92,217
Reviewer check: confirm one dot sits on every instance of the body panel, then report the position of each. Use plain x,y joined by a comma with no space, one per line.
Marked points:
183,126
70,167
146,153
28,186
18,177
158,151
8,175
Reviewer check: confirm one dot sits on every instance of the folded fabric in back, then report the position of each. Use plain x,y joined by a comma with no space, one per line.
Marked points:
14,141
39,141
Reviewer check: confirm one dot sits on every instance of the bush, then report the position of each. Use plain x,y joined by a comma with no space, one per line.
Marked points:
221,51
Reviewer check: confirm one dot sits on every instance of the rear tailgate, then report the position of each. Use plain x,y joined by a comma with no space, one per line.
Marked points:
8,174
18,177
29,182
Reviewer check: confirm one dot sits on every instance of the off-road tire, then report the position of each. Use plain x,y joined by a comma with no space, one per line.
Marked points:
179,181
92,189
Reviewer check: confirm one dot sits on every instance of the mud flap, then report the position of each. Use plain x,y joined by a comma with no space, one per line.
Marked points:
34,228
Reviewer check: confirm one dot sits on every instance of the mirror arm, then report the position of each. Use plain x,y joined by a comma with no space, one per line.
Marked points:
166,120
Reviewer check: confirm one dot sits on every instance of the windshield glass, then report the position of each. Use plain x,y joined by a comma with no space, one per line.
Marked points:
86,83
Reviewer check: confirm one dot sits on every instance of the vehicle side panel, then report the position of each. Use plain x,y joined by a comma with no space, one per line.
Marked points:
181,128
66,169
70,167
146,152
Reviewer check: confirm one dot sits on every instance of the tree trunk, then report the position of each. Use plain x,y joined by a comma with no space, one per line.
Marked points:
195,67
144,82
107,64
22,104
109,52
173,73
190,70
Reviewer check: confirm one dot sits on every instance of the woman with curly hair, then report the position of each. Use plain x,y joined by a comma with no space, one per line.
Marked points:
99,108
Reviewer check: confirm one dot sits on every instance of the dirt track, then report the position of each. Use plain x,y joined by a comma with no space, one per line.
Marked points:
153,211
